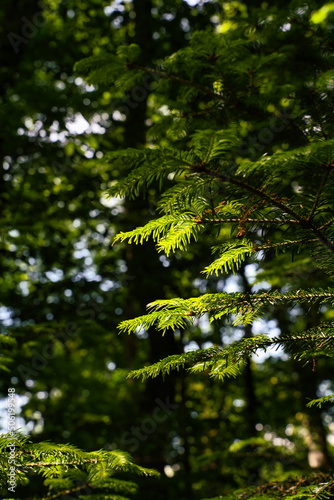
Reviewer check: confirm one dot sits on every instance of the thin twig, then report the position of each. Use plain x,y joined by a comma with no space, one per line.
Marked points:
68,492
327,224
198,113
53,464
274,245
258,221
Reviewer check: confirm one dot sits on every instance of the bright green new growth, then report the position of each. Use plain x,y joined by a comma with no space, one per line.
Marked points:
251,205
68,470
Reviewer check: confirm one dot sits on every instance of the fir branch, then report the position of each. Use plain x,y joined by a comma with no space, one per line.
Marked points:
227,362
70,491
258,192
328,223
63,464
199,113
148,166
304,223
231,258
169,232
320,401
58,463
178,79
317,487
178,313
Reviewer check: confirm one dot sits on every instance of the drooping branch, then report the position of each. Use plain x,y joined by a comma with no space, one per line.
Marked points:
67,492
202,220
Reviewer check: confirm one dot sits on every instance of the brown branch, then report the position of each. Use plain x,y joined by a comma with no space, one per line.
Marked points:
327,224
323,240
53,464
272,299
68,492
259,193
198,113
285,243
259,221
304,223
245,300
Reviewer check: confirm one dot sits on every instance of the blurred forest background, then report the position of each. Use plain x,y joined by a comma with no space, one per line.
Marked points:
64,288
